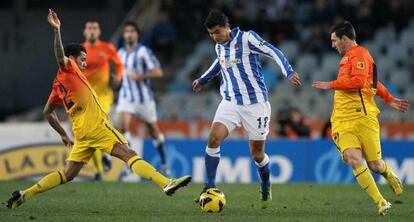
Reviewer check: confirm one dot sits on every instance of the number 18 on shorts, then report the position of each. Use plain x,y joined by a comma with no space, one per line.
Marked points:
254,118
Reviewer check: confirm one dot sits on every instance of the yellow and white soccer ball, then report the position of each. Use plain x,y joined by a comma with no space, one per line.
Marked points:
212,201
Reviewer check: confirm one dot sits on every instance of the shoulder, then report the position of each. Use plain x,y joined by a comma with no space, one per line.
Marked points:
251,33
252,36
71,64
121,50
359,58
359,53
145,51
108,46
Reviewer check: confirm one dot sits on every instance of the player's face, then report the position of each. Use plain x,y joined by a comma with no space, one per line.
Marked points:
338,43
220,34
92,31
130,35
81,61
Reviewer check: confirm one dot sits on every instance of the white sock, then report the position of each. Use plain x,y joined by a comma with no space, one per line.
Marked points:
214,152
264,161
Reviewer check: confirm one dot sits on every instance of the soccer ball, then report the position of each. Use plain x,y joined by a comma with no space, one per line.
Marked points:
212,201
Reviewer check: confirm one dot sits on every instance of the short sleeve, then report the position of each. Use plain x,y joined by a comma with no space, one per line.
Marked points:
54,97
150,61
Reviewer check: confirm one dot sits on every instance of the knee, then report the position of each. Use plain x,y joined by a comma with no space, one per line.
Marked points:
376,166
70,174
353,160
130,153
258,156
214,140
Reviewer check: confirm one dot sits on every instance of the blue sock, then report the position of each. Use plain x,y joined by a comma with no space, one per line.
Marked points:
264,172
212,159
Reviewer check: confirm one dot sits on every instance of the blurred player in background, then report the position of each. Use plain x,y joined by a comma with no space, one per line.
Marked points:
355,127
136,98
101,55
245,98
90,125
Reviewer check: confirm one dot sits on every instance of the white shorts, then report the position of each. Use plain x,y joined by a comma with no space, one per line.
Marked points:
146,111
254,118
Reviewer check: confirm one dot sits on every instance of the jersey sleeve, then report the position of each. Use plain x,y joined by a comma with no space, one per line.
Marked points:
149,60
113,57
383,93
54,98
259,46
356,79
213,71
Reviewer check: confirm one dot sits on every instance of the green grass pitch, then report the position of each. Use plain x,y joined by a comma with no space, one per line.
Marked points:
102,201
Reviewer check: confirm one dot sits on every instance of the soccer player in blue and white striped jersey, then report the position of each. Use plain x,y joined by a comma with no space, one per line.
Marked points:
135,96
245,98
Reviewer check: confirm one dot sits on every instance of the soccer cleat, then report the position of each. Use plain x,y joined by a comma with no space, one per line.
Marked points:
383,207
395,183
197,199
265,198
175,184
16,200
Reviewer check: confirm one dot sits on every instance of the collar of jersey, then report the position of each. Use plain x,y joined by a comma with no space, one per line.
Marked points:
233,33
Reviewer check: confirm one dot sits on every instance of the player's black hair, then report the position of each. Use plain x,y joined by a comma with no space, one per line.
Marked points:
132,24
344,28
74,50
214,18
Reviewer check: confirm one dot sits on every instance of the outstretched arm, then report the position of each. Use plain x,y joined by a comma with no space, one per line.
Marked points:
260,46
59,51
50,115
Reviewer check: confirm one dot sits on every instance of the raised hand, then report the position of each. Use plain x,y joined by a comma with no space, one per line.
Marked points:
53,20
400,105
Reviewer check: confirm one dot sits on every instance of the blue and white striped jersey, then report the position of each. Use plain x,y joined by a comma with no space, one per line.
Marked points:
238,62
140,60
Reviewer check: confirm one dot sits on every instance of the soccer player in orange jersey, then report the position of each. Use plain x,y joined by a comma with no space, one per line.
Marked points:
355,127
91,127
101,55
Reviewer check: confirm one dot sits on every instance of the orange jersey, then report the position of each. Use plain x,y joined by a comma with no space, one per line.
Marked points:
98,66
356,86
71,88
